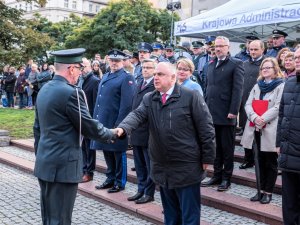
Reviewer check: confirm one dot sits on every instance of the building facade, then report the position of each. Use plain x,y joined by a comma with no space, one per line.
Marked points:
59,10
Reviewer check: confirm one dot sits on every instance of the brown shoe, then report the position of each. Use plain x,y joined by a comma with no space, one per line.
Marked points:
86,178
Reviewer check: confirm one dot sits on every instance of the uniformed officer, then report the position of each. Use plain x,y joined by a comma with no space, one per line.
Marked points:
61,119
169,49
278,43
198,52
158,50
244,54
144,51
113,103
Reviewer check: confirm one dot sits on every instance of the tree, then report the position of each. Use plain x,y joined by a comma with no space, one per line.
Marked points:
122,25
17,41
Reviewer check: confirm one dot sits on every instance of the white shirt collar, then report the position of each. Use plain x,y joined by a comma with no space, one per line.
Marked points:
169,92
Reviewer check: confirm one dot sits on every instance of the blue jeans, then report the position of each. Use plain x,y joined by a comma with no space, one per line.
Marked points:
23,100
10,99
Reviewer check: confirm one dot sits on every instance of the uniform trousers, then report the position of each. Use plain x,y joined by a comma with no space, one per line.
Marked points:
116,167
291,198
181,205
142,167
57,202
89,158
223,164
267,166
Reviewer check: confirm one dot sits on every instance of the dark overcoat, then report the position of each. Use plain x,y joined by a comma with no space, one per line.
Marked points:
140,136
224,89
114,102
90,88
181,136
56,132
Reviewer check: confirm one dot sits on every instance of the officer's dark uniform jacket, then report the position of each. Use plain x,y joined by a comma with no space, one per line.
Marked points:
274,52
288,130
56,132
140,136
181,136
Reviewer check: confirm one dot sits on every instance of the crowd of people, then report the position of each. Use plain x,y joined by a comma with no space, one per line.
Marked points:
179,108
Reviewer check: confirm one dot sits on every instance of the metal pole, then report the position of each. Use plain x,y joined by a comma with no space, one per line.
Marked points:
171,36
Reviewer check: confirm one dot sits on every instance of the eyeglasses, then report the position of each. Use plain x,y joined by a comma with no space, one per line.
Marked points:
77,67
266,68
159,74
297,58
220,46
147,67
183,69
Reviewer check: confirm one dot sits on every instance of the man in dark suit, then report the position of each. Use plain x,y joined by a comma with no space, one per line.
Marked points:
89,84
225,78
144,51
140,137
61,119
114,102
256,49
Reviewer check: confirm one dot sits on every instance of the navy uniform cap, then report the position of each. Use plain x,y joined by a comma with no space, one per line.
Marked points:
157,46
252,37
68,56
169,46
144,46
116,54
210,39
197,44
279,33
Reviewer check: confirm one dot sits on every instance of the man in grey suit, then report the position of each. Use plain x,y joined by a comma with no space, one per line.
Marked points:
61,119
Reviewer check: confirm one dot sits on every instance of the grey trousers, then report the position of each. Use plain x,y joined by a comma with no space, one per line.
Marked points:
57,202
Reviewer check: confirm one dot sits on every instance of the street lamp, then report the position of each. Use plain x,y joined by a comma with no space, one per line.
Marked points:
172,7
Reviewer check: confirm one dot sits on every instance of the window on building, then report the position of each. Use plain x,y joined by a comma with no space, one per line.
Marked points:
20,6
66,3
26,7
74,4
30,7
90,7
97,8
66,18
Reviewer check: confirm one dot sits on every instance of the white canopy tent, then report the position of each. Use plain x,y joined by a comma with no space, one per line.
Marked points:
237,19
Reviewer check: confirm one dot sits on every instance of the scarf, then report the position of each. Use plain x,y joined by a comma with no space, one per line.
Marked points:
268,87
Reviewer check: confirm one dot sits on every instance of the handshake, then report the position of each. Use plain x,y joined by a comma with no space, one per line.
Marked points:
117,133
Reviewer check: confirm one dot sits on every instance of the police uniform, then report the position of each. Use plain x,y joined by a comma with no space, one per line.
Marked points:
143,46
197,44
170,46
244,54
161,57
274,52
113,103
61,117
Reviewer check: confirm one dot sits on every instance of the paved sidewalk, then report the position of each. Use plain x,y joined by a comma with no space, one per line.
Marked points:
19,204
209,214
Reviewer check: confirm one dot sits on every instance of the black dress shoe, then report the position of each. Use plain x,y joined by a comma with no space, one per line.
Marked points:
144,199
224,186
115,189
257,198
211,182
135,197
105,185
266,199
246,165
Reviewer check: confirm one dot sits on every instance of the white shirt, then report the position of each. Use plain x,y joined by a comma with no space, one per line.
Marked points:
169,92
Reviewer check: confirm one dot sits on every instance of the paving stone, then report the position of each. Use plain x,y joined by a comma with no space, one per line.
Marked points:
208,214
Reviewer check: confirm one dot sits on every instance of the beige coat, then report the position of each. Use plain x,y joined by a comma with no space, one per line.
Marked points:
268,137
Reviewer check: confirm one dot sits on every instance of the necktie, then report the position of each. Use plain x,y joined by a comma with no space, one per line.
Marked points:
219,62
164,98
144,85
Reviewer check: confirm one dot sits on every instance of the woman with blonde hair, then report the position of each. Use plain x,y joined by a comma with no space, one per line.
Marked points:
289,65
262,125
184,70
280,57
